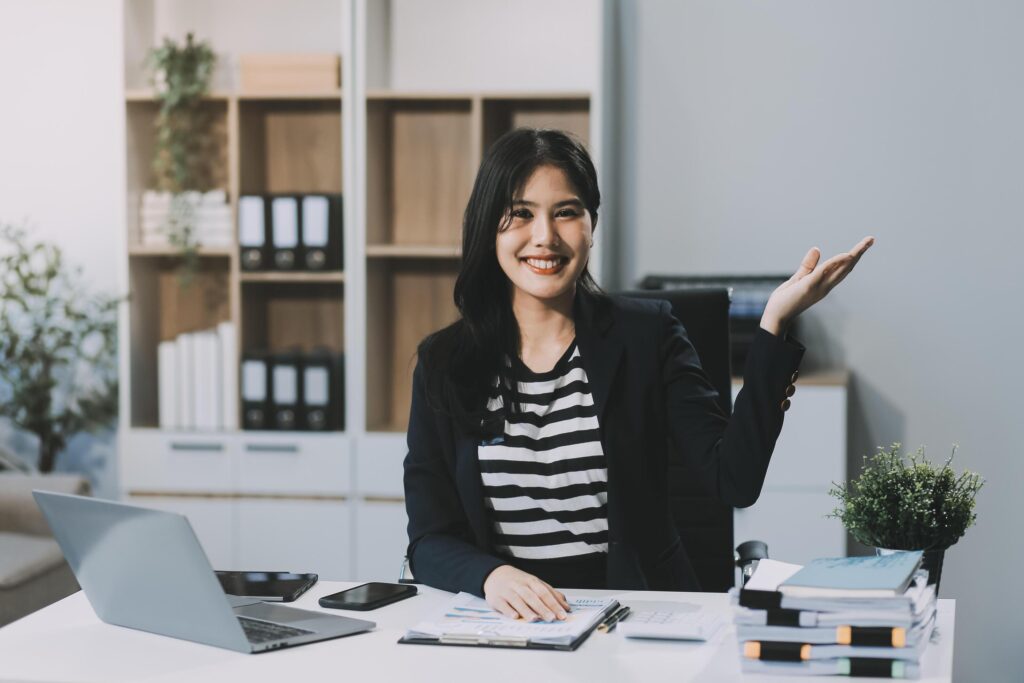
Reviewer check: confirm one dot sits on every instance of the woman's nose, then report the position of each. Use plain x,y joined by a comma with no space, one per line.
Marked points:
544,232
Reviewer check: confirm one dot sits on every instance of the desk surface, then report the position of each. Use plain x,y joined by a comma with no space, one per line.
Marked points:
67,642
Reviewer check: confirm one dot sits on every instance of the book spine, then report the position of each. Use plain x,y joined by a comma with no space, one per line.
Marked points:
771,651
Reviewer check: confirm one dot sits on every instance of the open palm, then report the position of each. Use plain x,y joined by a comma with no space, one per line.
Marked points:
810,284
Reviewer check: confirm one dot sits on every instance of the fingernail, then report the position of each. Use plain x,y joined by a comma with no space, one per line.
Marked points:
561,615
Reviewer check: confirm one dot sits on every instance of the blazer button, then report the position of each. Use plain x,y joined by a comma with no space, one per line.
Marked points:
790,390
796,373
785,405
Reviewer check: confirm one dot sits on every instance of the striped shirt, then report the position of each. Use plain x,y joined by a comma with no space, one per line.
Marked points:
545,479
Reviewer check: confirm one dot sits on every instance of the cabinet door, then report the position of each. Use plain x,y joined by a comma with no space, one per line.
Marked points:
212,519
294,463
381,539
295,535
176,462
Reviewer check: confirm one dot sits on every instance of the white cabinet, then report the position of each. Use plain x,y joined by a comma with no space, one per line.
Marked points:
381,539
295,535
212,519
791,514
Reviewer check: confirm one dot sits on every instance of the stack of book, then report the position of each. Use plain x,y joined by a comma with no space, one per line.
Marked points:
852,616
198,380
208,213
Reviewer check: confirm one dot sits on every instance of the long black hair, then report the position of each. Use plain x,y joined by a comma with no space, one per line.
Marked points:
462,361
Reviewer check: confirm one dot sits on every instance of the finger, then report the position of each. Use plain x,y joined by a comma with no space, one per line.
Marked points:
807,265
535,603
501,604
520,607
564,601
547,596
862,246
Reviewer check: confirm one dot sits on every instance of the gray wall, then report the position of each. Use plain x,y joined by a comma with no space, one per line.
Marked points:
754,130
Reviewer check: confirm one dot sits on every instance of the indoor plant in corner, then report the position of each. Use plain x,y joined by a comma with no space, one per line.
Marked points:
58,359
908,503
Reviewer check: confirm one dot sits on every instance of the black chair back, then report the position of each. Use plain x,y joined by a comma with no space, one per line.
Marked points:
703,521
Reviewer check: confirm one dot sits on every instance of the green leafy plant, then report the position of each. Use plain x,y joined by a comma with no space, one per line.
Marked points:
58,366
907,503
185,145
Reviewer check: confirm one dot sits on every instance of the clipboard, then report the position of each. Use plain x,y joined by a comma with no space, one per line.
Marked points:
511,642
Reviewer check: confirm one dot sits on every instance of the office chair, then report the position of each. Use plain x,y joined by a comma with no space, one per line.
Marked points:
704,523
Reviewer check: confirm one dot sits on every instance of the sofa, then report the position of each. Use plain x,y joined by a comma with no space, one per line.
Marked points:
33,572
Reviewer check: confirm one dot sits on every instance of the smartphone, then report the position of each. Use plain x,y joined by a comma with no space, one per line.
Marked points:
369,596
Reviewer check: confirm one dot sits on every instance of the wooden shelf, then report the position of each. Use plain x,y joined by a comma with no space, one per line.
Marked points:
271,96
299,277
142,250
430,251
146,95
440,95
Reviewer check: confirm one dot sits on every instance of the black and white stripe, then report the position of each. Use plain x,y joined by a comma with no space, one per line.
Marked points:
546,480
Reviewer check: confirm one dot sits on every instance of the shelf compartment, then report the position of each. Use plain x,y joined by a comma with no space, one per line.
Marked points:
407,300
502,114
420,168
162,307
280,317
140,119
290,145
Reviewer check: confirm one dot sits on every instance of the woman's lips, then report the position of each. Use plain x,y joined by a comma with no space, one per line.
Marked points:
545,266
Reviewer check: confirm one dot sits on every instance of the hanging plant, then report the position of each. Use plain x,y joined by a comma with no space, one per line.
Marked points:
180,75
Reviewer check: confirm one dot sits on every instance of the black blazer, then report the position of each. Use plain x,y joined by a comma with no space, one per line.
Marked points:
654,403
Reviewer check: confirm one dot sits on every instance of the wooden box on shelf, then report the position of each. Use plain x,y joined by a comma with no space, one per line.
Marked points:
289,73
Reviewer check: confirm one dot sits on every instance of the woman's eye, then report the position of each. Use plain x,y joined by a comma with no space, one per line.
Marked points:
521,213
567,213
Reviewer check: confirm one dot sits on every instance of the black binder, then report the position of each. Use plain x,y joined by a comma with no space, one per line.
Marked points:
323,392
253,219
321,235
255,383
285,391
284,231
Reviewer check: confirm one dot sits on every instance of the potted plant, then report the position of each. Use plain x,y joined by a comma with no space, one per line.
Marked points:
58,365
908,503
180,75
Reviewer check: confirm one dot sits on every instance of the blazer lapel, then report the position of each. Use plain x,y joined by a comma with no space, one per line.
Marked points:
600,347
469,484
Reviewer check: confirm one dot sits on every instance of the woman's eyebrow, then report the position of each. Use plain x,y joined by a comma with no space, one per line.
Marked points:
575,201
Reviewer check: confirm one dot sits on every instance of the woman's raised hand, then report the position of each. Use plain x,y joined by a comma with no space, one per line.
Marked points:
517,594
810,284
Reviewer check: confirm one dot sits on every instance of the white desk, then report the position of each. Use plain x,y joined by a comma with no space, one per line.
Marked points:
67,642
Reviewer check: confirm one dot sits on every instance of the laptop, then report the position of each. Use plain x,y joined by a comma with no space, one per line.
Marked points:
144,569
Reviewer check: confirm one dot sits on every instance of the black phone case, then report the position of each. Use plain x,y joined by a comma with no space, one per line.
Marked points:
335,603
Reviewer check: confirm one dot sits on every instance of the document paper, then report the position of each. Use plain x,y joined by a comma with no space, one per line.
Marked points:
468,615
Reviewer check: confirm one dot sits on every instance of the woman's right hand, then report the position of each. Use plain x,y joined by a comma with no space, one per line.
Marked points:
517,594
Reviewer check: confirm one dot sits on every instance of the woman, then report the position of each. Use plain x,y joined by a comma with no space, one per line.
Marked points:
541,420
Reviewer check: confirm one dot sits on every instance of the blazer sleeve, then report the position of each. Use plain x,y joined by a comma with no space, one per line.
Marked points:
441,549
730,454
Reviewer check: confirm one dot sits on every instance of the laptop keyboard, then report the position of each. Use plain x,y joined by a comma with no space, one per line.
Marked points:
265,631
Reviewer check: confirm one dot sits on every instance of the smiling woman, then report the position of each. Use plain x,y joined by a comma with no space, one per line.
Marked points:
541,420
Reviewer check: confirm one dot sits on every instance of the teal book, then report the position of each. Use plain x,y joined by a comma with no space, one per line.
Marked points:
854,577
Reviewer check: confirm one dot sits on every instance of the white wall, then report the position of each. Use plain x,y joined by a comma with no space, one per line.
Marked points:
62,151
754,130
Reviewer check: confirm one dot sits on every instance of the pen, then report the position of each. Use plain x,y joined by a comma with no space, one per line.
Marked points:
608,625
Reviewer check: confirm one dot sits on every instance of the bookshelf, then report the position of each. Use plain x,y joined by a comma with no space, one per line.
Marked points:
401,144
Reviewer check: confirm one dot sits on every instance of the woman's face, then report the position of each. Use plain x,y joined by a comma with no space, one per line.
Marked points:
546,243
